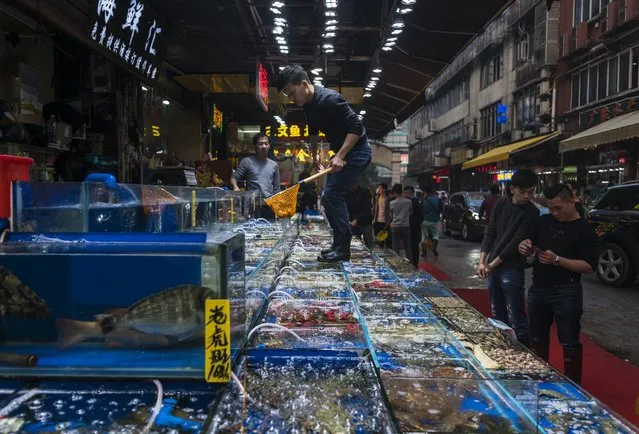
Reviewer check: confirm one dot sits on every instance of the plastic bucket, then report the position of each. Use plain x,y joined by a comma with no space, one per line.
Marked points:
11,169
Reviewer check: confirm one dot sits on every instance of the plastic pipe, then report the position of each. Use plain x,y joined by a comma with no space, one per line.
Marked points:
276,326
277,291
156,408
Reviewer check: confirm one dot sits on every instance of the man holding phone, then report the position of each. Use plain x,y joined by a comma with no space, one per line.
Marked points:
511,221
566,246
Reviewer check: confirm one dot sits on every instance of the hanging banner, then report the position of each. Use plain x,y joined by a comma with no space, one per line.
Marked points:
132,33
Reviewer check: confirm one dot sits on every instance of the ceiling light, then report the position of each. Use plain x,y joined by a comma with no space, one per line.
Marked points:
404,11
318,78
390,44
331,22
144,88
363,112
316,71
329,50
367,95
397,24
330,14
327,46
360,117
278,30
387,48
391,39
278,4
276,11
328,35
280,21
377,70
331,4
397,32
374,78
408,2
166,102
331,28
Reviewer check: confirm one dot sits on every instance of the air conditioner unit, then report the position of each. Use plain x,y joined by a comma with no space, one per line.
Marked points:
612,15
517,135
418,134
432,125
582,35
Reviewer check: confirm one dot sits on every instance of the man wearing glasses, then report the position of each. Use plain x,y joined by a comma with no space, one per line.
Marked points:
328,111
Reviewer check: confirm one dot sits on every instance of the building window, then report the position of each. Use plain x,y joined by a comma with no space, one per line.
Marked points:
489,125
586,10
528,107
493,69
456,95
605,79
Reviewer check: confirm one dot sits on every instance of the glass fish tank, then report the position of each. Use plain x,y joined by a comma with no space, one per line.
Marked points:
103,207
116,305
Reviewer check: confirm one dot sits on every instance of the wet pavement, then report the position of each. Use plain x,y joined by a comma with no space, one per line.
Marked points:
611,315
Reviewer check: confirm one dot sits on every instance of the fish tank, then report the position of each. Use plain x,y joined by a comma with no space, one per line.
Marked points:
102,207
116,305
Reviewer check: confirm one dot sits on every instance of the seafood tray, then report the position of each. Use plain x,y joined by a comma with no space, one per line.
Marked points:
349,337
446,302
377,285
395,309
431,289
467,320
453,405
317,292
384,296
113,407
416,366
564,408
304,313
303,396
414,336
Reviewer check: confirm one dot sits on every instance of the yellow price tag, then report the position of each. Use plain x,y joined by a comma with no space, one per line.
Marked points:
217,343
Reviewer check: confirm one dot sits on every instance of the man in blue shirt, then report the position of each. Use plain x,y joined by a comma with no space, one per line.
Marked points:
328,111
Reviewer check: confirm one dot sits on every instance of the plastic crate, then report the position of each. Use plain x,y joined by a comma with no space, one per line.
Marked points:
12,168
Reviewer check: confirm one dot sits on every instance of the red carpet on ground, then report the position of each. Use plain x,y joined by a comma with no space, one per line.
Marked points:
434,271
607,377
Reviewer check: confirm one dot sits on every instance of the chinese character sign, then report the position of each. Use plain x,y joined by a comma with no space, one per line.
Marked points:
290,131
217,343
261,86
218,118
130,31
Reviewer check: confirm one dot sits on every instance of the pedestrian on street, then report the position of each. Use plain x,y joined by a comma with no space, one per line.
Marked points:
416,219
399,223
381,211
487,205
328,111
511,222
260,173
566,247
360,214
432,208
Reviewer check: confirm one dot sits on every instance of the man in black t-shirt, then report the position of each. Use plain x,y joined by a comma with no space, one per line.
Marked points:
566,247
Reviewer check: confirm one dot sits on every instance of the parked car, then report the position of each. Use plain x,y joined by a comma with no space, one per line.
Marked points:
461,214
173,175
615,218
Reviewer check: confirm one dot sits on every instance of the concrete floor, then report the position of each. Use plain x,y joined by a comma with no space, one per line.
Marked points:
611,315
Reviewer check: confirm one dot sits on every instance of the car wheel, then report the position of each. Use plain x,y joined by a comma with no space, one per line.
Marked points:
445,229
613,266
466,232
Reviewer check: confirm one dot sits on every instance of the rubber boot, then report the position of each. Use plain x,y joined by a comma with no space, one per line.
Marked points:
333,246
573,360
435,252
541,350
341,253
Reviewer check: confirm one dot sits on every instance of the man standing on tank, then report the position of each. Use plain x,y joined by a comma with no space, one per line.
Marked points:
328,111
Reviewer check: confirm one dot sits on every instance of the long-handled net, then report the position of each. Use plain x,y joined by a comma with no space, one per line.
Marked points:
284,203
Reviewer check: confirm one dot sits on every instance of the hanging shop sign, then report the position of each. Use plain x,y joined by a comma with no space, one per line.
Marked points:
132,33
486,168
502,113
590,118
261,86
289,131
504,175
217,345
218,118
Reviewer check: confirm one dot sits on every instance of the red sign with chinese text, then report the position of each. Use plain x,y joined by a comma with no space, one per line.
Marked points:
261,86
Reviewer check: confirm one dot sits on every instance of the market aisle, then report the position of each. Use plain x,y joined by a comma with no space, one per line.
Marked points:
607,320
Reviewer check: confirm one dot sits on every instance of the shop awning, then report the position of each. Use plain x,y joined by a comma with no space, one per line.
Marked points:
503,152
620,128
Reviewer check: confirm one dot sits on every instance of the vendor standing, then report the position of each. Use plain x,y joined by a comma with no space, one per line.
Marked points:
328,111
260,173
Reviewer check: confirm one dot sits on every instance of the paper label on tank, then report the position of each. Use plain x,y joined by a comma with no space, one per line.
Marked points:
217,345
